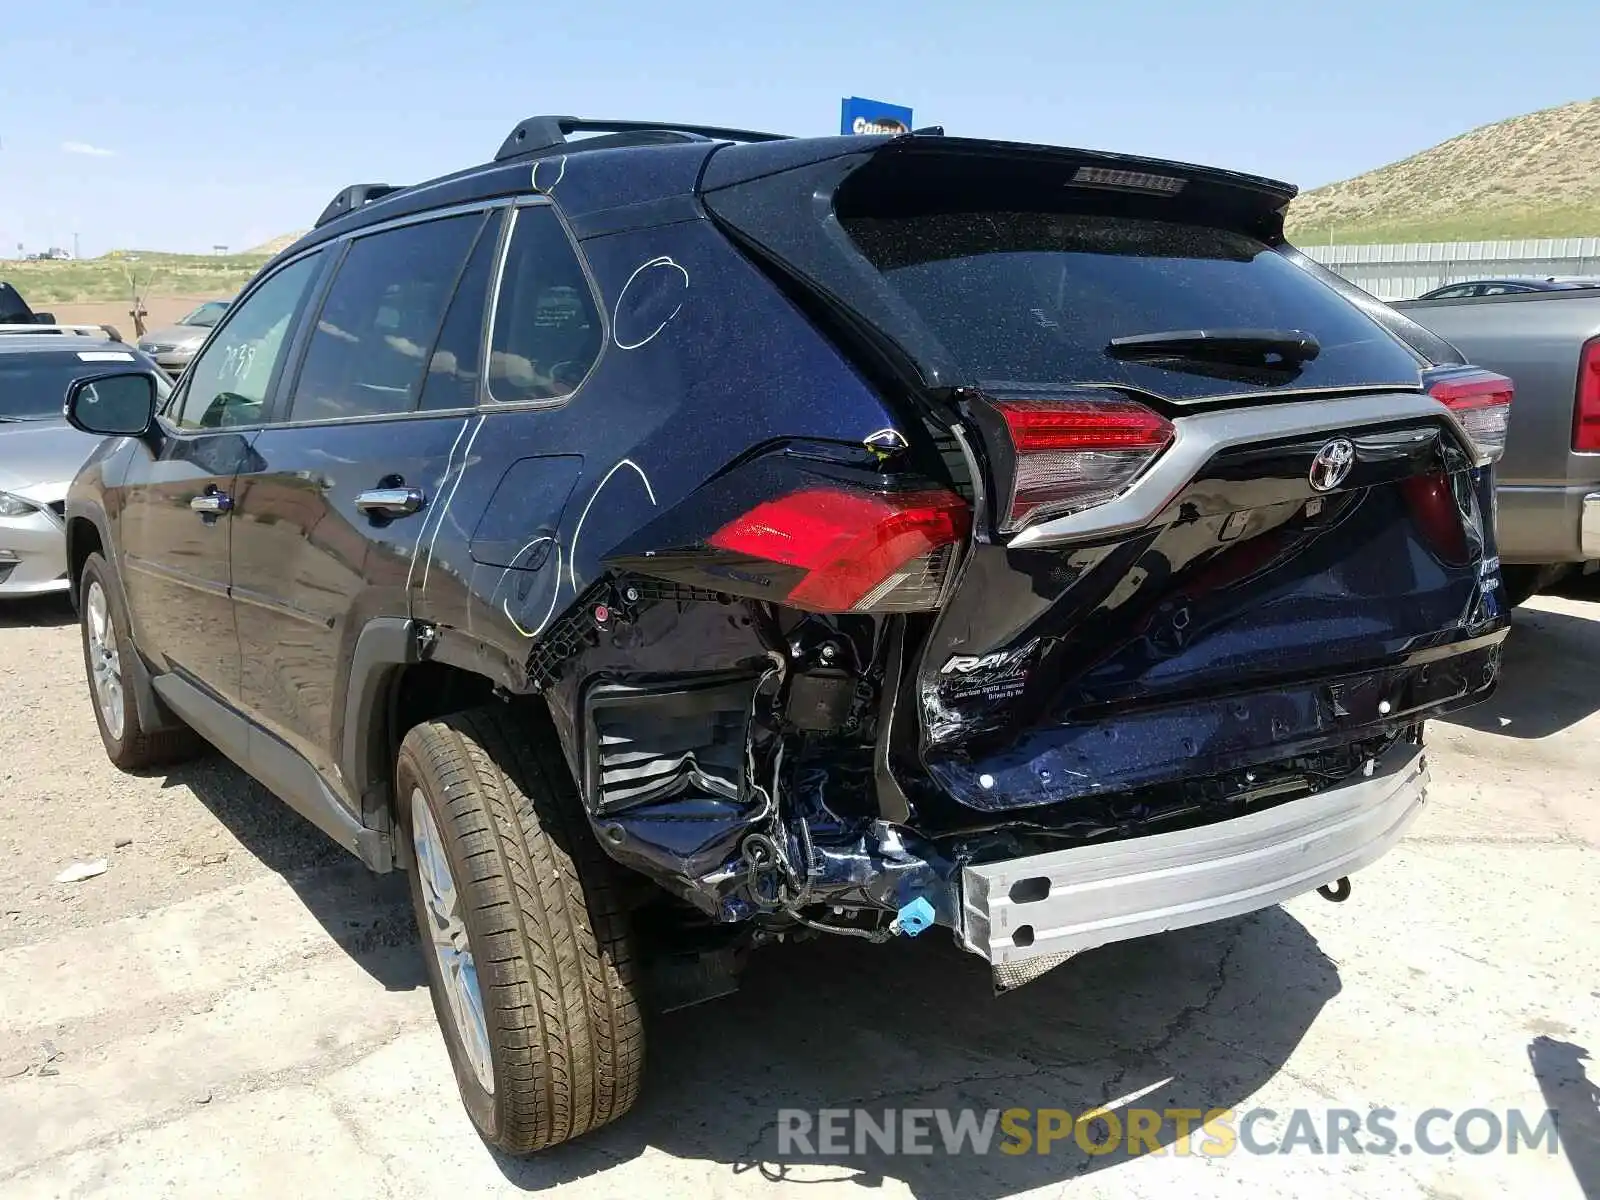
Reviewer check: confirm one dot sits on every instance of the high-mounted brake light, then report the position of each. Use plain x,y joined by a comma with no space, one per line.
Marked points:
860,551
1481,401
1586,410
1074,454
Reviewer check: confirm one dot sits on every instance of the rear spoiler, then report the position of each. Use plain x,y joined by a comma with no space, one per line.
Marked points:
964,171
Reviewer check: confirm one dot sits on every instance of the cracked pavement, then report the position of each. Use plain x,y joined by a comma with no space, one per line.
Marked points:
238,1009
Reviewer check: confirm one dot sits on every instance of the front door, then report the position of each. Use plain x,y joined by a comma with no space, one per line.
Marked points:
349,474
176,524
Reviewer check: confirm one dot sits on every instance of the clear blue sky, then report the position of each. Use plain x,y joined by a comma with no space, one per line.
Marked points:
176,124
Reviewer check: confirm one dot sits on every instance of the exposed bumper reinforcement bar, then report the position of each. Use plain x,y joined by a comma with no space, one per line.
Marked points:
1056,904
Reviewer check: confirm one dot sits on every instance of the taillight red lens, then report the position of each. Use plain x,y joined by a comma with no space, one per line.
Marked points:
1481,401
1438,516
1074,454
1586,411
861,551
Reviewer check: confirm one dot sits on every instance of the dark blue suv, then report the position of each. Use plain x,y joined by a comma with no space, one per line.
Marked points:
674,540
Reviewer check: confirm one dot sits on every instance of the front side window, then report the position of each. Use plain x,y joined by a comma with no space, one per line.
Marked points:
547,330
375,333
227,385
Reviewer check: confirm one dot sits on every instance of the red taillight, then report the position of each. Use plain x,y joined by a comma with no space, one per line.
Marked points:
861,551
1074,454
1586,411
1481,401
1437,514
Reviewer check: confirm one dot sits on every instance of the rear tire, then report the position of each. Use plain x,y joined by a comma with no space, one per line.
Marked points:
508,871
107,652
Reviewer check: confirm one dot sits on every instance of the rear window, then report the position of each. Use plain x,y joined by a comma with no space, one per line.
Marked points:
1035,298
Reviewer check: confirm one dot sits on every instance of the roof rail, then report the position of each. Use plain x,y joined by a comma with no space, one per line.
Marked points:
352,198
542,133
94,331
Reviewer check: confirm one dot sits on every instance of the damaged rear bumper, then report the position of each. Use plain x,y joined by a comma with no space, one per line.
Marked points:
1030,913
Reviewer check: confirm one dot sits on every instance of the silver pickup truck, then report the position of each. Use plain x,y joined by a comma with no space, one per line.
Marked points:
1549,480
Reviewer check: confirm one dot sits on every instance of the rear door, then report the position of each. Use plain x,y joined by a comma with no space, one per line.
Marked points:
177,515
344,479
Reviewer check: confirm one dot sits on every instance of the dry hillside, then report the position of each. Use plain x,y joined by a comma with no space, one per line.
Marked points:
283,242
1537,175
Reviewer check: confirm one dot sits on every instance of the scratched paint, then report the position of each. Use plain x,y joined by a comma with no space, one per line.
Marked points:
654,294
577,531
530,561
554,173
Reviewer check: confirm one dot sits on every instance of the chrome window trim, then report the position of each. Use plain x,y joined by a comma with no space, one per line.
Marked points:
487,206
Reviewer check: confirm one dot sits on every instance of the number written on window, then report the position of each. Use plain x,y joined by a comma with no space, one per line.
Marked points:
227,385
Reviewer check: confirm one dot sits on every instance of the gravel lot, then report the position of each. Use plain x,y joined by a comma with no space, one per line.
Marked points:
236,1008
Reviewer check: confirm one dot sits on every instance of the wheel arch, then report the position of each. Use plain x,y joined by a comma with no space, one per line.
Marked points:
404,672
85,536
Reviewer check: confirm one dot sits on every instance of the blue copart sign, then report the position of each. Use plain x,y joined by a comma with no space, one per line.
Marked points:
859,115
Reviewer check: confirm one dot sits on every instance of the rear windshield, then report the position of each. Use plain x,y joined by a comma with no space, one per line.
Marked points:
33,386
1035,298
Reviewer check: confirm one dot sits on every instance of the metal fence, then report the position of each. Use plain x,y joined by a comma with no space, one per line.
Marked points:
1404,271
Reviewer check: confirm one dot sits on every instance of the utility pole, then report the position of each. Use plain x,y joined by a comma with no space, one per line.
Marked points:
75,247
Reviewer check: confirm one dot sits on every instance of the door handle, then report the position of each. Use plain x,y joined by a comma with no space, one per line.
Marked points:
212,503
390,501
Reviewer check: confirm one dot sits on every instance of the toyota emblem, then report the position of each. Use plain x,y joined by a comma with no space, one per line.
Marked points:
1332,464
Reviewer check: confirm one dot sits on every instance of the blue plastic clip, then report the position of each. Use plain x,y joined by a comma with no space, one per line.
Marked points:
913,918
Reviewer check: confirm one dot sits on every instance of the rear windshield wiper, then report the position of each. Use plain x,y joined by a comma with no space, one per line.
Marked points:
1247,347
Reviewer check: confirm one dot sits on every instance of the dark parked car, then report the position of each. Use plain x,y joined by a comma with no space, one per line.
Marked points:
1507,287
678,540
14,309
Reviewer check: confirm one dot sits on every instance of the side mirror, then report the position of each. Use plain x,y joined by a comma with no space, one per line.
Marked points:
40,318
122,404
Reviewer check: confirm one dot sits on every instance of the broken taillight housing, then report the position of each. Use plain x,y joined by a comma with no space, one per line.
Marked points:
1074,454
1481,401
860,551
1586,412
